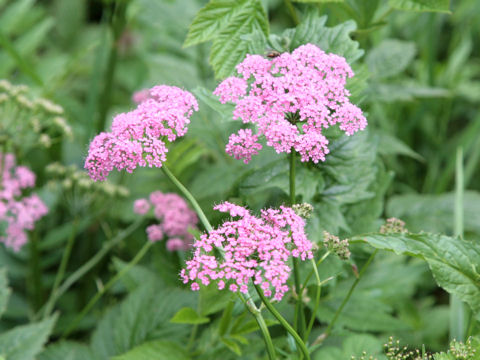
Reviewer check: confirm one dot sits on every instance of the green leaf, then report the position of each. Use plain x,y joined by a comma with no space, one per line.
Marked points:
390,145
25,342
4,290
66,350
143,315
454,262
232,345
229,48
188,315
421,5
225,110
155,350
354,345
390,58
332,40
434,213
226,22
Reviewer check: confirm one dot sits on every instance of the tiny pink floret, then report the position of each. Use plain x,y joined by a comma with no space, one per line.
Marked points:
256,249
291,99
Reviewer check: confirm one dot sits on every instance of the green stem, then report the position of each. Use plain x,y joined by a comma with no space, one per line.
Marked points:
35,272
284,323
61,268
299,313
250,305
189,196
458,311
72,279
350,292
107,287
314,270
317,301
117,25
293,12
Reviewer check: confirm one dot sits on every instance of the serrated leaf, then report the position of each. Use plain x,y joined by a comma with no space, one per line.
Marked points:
66,350
143,315
421,5
390,145
211,19
332,40
229,48
188,315
25,342
423,212
454,262
155,350
4,290
390,58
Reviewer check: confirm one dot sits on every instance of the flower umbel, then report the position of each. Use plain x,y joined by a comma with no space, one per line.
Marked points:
253,248
175,218
19,213
138,138
291,98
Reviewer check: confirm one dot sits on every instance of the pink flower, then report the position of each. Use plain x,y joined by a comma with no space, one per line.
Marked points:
138,138
19,213
175,219
154,233
141,206
254,249
291,99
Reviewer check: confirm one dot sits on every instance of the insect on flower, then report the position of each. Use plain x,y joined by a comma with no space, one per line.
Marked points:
272,54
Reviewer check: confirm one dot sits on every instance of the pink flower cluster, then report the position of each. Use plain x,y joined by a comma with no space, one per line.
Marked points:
137,138
175,219
19,213
253,248
291,98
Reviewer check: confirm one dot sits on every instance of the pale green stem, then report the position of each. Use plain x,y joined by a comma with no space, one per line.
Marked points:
317,301
299,314
350,292
189,196
305,283
458,311
284,323
61,268
107,287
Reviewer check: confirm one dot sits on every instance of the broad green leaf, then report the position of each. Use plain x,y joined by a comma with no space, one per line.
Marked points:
143,315
354,345
136,276
211,300
4,290
434,213
404,91
232,345
390,58
421,5
229,48
331,40
66,350
188,315
454,262
225,22
26,341
212,19
225,110
390,145
155,350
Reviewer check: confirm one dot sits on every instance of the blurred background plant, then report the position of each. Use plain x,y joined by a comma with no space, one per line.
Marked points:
70,66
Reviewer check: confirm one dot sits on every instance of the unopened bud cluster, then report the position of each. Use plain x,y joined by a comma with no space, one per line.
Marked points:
303,210
28,120
393,225
336,246
71,177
